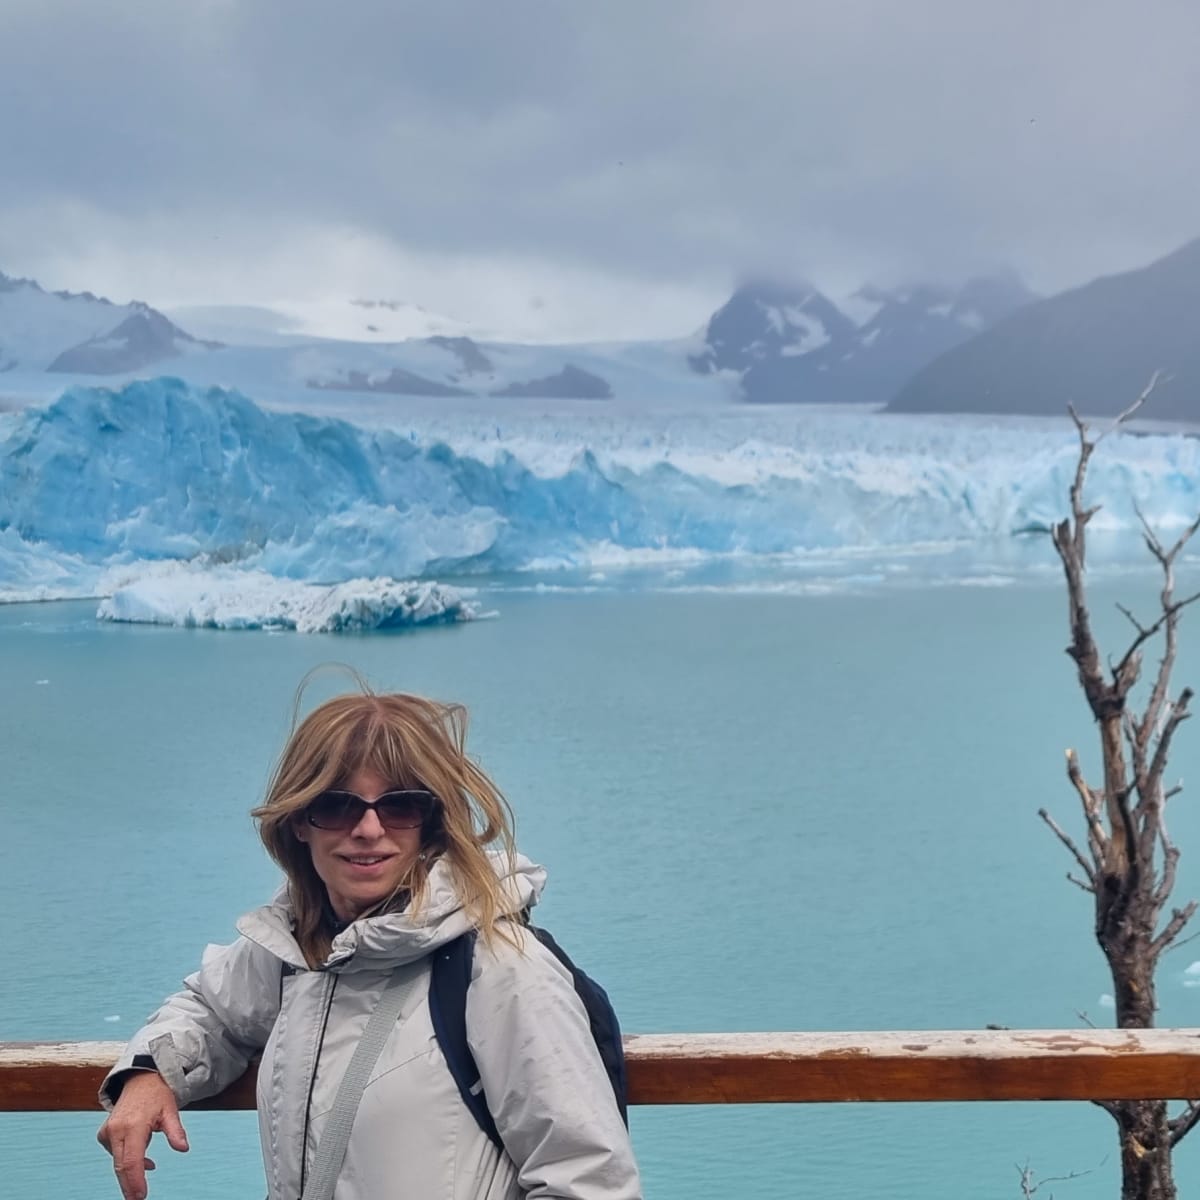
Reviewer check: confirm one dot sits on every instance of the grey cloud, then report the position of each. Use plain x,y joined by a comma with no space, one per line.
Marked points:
675,139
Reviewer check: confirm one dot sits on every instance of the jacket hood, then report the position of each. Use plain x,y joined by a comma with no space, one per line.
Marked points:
393,939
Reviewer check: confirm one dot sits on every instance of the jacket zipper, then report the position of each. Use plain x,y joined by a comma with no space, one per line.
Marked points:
330,988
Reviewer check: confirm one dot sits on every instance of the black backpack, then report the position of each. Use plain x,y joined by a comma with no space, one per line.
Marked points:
448,1007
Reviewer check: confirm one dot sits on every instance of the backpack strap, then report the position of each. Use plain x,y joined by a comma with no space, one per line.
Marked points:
331,1150
602,1019
448,983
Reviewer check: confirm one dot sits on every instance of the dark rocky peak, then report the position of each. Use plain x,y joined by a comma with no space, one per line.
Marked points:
763,321
142,338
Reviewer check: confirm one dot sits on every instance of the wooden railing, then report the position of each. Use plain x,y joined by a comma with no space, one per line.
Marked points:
766,1068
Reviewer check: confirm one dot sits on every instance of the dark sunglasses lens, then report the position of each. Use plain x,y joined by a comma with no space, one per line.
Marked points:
403,810
335,811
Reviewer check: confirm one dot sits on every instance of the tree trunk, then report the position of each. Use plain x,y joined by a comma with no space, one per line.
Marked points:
1145,1150
1143,1130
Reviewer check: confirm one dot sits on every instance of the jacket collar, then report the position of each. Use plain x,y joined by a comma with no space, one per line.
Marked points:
393,939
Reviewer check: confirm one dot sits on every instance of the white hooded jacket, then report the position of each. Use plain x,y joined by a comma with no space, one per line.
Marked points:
413,1138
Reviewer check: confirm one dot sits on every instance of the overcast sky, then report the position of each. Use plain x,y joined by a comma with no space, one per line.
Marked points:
602,167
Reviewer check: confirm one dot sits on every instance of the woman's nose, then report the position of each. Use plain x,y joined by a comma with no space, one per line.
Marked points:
369,825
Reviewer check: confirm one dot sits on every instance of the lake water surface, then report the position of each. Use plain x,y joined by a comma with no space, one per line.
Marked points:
758,812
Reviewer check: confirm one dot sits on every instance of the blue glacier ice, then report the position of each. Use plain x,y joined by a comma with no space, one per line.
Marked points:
226,598
163,470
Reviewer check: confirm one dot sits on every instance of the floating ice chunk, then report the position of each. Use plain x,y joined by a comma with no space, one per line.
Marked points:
1106,1001
41,682
115,1017
233,599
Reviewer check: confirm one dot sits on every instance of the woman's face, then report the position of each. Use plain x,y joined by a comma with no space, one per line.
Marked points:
366,864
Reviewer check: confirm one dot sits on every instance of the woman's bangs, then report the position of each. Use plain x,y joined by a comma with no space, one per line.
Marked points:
375,746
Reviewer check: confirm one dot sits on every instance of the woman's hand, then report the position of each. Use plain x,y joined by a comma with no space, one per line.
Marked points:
146,1105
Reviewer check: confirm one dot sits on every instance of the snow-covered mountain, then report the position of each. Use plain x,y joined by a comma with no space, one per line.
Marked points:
81,333
790,343
768,343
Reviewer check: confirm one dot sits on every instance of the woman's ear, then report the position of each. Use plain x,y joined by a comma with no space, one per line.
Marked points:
300,830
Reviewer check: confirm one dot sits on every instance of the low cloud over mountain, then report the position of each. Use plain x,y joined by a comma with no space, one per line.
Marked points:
793,344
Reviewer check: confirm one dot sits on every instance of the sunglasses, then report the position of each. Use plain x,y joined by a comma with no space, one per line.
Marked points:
341,811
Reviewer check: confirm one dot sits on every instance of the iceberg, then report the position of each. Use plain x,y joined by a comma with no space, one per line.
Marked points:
160,470
255,600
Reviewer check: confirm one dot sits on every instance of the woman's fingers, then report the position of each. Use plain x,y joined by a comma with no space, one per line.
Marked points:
173,1128
146,1105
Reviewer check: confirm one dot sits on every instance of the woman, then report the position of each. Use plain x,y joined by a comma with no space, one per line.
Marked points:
382,825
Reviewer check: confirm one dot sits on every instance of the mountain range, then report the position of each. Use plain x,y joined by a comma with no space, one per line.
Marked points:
770,343
987,346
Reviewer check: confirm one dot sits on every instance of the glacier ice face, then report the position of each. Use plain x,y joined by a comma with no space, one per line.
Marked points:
229,599
161,470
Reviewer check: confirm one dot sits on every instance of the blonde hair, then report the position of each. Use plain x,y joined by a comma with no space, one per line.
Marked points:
412,742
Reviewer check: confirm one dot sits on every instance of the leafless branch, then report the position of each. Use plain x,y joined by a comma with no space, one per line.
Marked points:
1145,632
1174,927
1031,1185
1130,663
1085,1018
1091,803
1178,714
1170,853
1191,937
1128,414
1065,838
1171,610
1183,1124
1128,613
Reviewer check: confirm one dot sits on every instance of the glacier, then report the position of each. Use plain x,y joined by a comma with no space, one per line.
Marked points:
162,470
230,599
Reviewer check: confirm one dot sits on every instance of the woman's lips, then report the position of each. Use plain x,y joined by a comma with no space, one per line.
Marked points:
366,864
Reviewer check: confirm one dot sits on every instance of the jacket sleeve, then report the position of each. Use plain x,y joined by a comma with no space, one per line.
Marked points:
203,1037
545,1083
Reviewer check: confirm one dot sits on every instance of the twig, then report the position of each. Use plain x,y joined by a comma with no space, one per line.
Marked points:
1183,1124
1065,838
1174,927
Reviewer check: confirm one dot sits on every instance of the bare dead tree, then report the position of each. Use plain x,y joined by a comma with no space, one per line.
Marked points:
1128,861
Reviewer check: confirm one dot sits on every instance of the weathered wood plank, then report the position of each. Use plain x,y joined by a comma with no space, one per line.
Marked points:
765,1068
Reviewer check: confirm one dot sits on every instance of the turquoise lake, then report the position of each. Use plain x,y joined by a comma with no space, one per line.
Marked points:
758,812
